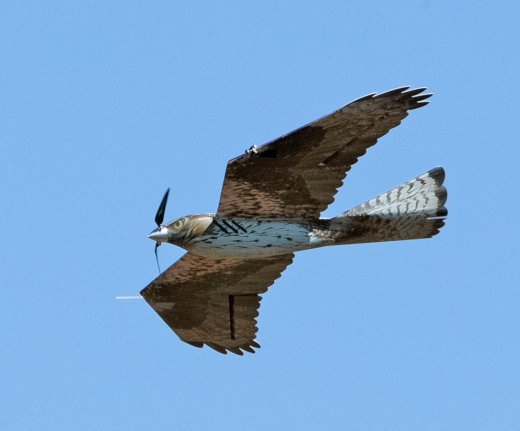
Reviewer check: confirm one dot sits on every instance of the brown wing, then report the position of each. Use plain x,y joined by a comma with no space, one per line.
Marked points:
214,302
297,175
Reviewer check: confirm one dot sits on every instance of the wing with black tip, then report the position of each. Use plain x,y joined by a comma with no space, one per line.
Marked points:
297,175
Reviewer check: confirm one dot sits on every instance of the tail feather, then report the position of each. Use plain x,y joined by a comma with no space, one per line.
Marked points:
424,194
412,210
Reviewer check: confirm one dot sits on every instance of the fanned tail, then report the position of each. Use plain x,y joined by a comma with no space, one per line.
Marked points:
412,210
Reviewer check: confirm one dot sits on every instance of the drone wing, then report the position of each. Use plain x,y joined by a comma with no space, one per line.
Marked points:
297,175
214,301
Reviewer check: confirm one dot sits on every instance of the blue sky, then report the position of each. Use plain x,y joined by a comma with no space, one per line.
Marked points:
105,104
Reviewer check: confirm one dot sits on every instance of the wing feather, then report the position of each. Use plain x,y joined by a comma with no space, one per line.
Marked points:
298,174
214,301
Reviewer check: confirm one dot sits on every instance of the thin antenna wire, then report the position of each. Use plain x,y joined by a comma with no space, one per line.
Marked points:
129,297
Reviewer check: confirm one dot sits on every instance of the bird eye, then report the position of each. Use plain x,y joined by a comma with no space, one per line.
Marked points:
178,224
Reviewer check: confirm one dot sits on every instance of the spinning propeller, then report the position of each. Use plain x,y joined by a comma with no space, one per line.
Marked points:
161,233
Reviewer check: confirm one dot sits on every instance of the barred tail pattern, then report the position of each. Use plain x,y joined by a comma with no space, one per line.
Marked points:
412,210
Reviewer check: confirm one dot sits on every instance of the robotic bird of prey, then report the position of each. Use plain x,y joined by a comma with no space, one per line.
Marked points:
270,207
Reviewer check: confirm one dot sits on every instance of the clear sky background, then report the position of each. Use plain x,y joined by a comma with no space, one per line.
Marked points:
103,105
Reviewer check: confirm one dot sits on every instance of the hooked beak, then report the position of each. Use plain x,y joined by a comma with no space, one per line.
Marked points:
159,235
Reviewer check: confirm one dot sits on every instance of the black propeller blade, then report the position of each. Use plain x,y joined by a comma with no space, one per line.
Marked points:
159,217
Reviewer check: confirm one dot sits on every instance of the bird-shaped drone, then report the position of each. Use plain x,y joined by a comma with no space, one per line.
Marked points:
270,208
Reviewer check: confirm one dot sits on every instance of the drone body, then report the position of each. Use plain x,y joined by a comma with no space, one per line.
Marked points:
270,208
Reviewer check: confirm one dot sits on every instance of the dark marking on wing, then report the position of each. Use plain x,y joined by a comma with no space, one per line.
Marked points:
232,316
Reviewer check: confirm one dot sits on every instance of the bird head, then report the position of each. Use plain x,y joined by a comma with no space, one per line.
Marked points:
173,232
180,231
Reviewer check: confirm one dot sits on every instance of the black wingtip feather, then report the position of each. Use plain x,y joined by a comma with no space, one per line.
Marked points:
217,348
413,98
419,104
235,350
393,92
414,91
247,348
194,343
422,97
